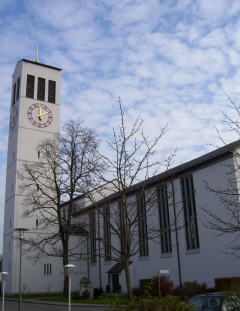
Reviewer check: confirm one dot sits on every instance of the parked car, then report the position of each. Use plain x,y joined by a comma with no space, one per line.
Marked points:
222,301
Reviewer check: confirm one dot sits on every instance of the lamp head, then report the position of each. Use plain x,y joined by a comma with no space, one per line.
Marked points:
21,232
68,270
4,275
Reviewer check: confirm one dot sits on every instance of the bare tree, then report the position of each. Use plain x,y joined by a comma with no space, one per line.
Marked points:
127,214
225,219
66,166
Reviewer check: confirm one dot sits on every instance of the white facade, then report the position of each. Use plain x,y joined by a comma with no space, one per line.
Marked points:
201,263
35,115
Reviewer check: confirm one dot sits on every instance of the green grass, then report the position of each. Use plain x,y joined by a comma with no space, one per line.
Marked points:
102,300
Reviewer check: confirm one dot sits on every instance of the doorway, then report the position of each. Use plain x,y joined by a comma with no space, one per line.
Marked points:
115,282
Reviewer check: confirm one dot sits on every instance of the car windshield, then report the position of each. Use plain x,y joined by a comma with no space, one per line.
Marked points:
206,303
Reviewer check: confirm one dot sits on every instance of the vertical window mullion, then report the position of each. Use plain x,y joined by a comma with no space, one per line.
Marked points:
190,213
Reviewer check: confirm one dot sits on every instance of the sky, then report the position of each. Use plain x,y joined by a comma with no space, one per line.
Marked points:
171,62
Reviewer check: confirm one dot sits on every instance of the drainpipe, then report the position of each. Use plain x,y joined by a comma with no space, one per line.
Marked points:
176,233
88,272
99,253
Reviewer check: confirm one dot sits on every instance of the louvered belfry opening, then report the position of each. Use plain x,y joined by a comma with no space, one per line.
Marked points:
14,94
30,86
51,91
41,89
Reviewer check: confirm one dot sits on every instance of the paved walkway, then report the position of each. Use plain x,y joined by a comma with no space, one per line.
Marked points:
38,305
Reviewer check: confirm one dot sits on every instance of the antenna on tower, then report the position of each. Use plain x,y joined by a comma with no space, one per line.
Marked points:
37,61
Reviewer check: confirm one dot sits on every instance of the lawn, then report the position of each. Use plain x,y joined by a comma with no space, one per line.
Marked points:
101,300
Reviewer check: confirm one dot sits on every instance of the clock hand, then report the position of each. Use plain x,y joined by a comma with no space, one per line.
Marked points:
40,111
39,115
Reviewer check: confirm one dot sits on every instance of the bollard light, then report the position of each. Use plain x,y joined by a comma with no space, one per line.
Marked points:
68,271
20,237
3,277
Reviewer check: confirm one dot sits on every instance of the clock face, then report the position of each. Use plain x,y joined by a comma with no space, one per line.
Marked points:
14,117
40,115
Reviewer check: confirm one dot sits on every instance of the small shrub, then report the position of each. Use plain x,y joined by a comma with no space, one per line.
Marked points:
138,291
190,289
167,303
150,287
144,282
166,286
97,292
225,283
108,288
232,298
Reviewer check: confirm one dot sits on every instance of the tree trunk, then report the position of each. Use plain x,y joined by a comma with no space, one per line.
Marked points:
65,262
128,279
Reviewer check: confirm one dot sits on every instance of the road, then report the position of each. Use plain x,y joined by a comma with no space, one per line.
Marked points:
13,306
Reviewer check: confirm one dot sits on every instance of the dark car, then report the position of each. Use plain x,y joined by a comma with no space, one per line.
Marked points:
216,302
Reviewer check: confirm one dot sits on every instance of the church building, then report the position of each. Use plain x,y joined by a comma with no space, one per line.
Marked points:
190,252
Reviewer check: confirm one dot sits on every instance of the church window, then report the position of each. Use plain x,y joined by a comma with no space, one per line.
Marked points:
47,269
41,89
18,88
39,154
14,94
107,233
92,231
190,214
30,86
142,226
51,91
166,243
37,222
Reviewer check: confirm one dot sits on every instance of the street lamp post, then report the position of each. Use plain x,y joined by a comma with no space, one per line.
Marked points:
20,237
68,271
4,277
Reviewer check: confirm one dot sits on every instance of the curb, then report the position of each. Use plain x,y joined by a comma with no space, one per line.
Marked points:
54,303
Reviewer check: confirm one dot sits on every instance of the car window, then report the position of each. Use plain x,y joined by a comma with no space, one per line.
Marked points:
206,303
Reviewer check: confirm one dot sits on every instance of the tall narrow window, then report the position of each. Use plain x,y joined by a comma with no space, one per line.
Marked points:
92,232
166,243
190,214
41,89
142,224
18,88
107,234
30,86
51,91
14,94
47,269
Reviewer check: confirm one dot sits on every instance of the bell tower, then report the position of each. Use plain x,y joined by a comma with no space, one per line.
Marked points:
34,116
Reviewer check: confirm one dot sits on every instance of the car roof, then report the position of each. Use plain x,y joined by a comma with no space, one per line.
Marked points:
210,294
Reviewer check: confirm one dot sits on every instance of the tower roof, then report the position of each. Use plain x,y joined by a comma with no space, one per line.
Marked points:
38,64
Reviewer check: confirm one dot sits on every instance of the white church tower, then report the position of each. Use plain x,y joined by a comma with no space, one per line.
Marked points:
35,115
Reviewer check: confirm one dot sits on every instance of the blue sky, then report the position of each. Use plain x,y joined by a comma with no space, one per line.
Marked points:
172,62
